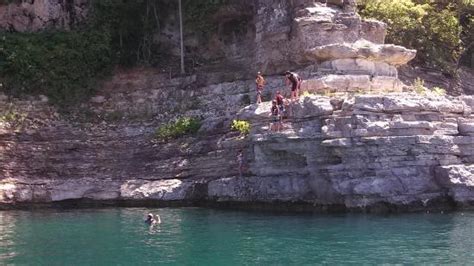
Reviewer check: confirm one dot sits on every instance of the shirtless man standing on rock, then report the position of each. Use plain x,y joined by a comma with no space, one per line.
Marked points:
260,82
295,81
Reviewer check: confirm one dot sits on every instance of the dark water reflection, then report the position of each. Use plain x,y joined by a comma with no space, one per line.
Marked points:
204,237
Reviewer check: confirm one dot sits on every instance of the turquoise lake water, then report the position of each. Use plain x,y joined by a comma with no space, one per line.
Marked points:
194,236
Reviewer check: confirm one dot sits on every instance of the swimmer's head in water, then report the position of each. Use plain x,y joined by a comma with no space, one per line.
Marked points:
150,215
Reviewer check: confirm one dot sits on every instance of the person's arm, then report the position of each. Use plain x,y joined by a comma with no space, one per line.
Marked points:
158,219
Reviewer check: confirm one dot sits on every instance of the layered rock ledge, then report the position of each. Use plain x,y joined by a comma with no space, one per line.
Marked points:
358,152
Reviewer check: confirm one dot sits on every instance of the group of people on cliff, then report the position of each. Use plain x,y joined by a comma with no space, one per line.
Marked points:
279,103
281,106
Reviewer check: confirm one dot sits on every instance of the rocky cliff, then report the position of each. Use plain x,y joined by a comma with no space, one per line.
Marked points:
358,139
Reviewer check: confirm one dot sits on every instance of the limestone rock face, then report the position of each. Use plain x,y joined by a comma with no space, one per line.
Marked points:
405,150
46,191
286,30
390,54
459,179
364,143
41,14
345,53
368,150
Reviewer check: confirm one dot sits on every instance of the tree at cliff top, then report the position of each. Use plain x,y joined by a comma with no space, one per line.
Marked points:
131,25
440,30
65,65
62,65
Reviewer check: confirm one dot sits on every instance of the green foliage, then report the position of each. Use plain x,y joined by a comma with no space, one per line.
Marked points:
419,86
65,66
430,26
113,116
198,14
5,2
438,91
62,65
466,18
12,117
131,25
306,94
242,126
178,128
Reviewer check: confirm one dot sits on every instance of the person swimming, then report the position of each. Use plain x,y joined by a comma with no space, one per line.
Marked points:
152,220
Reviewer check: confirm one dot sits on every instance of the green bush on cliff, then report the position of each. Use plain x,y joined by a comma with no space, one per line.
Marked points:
419,86
242,126
12,117
181,127
62,65
438,29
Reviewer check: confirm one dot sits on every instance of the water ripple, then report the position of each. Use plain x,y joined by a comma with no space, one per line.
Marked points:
118,236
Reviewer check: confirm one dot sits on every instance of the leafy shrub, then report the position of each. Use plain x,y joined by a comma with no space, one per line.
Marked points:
419,86
12,117
242,126
178,128
438,91
306,94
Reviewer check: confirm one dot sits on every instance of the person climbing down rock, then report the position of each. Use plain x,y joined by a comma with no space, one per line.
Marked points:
240,162
280,103
275,124
295,81
260,82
